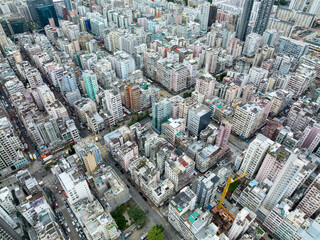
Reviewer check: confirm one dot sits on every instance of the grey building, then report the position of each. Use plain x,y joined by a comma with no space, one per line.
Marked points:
198,119
263,16
204,187
244,20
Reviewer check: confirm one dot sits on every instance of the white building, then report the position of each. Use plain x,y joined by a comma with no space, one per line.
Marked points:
255,154
75,186
240,225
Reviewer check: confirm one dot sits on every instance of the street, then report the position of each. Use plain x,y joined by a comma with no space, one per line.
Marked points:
153,215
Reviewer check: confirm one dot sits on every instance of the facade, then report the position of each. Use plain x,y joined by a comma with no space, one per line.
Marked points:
242,222
283,181
310,202
91,83
244,20
255,154
171,128
205,188
205,85
180,171
75,186
264,12
109,185
198,119
161,112
223,136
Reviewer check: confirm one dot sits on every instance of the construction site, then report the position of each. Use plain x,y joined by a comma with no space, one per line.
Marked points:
222,217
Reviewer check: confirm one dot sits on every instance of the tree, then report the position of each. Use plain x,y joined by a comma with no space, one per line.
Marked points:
122,208
137,215
120,220
156,233
187,94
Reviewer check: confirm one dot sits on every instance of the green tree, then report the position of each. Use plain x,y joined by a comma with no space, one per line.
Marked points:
137,215
156,233
120,220
187,94
122,208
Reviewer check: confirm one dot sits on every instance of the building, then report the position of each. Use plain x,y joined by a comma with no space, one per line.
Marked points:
272,163
264,12
310,203
248,118
74,185
207,157
223,136
91,83
205,85
171,128
161,191
83,106
94,220
292,47
161,112
241,224
282,183
251,197
242,28
41,11
133,95
112,103
205,188
255,154
109,185
185,217
284,224
127,152
251,44
180,171
198,119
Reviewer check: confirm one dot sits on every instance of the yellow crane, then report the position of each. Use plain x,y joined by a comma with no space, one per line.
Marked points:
226,188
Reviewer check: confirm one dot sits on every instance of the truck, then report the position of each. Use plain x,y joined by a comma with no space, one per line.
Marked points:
48,158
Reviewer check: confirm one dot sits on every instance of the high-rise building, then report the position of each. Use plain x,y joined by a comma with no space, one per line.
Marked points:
112,102
205,187
242,222
41,11
74,185
133,93
205,85
251,44
33,77
248,118
161,112
69,82
255,154
91,83
171,128
244,20
288,173
198,119
292,47
204,19
223,136
179,171
263,16
68,4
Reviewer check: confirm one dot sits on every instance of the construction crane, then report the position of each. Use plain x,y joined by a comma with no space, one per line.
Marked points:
226,188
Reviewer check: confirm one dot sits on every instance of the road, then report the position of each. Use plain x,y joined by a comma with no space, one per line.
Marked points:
153,216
